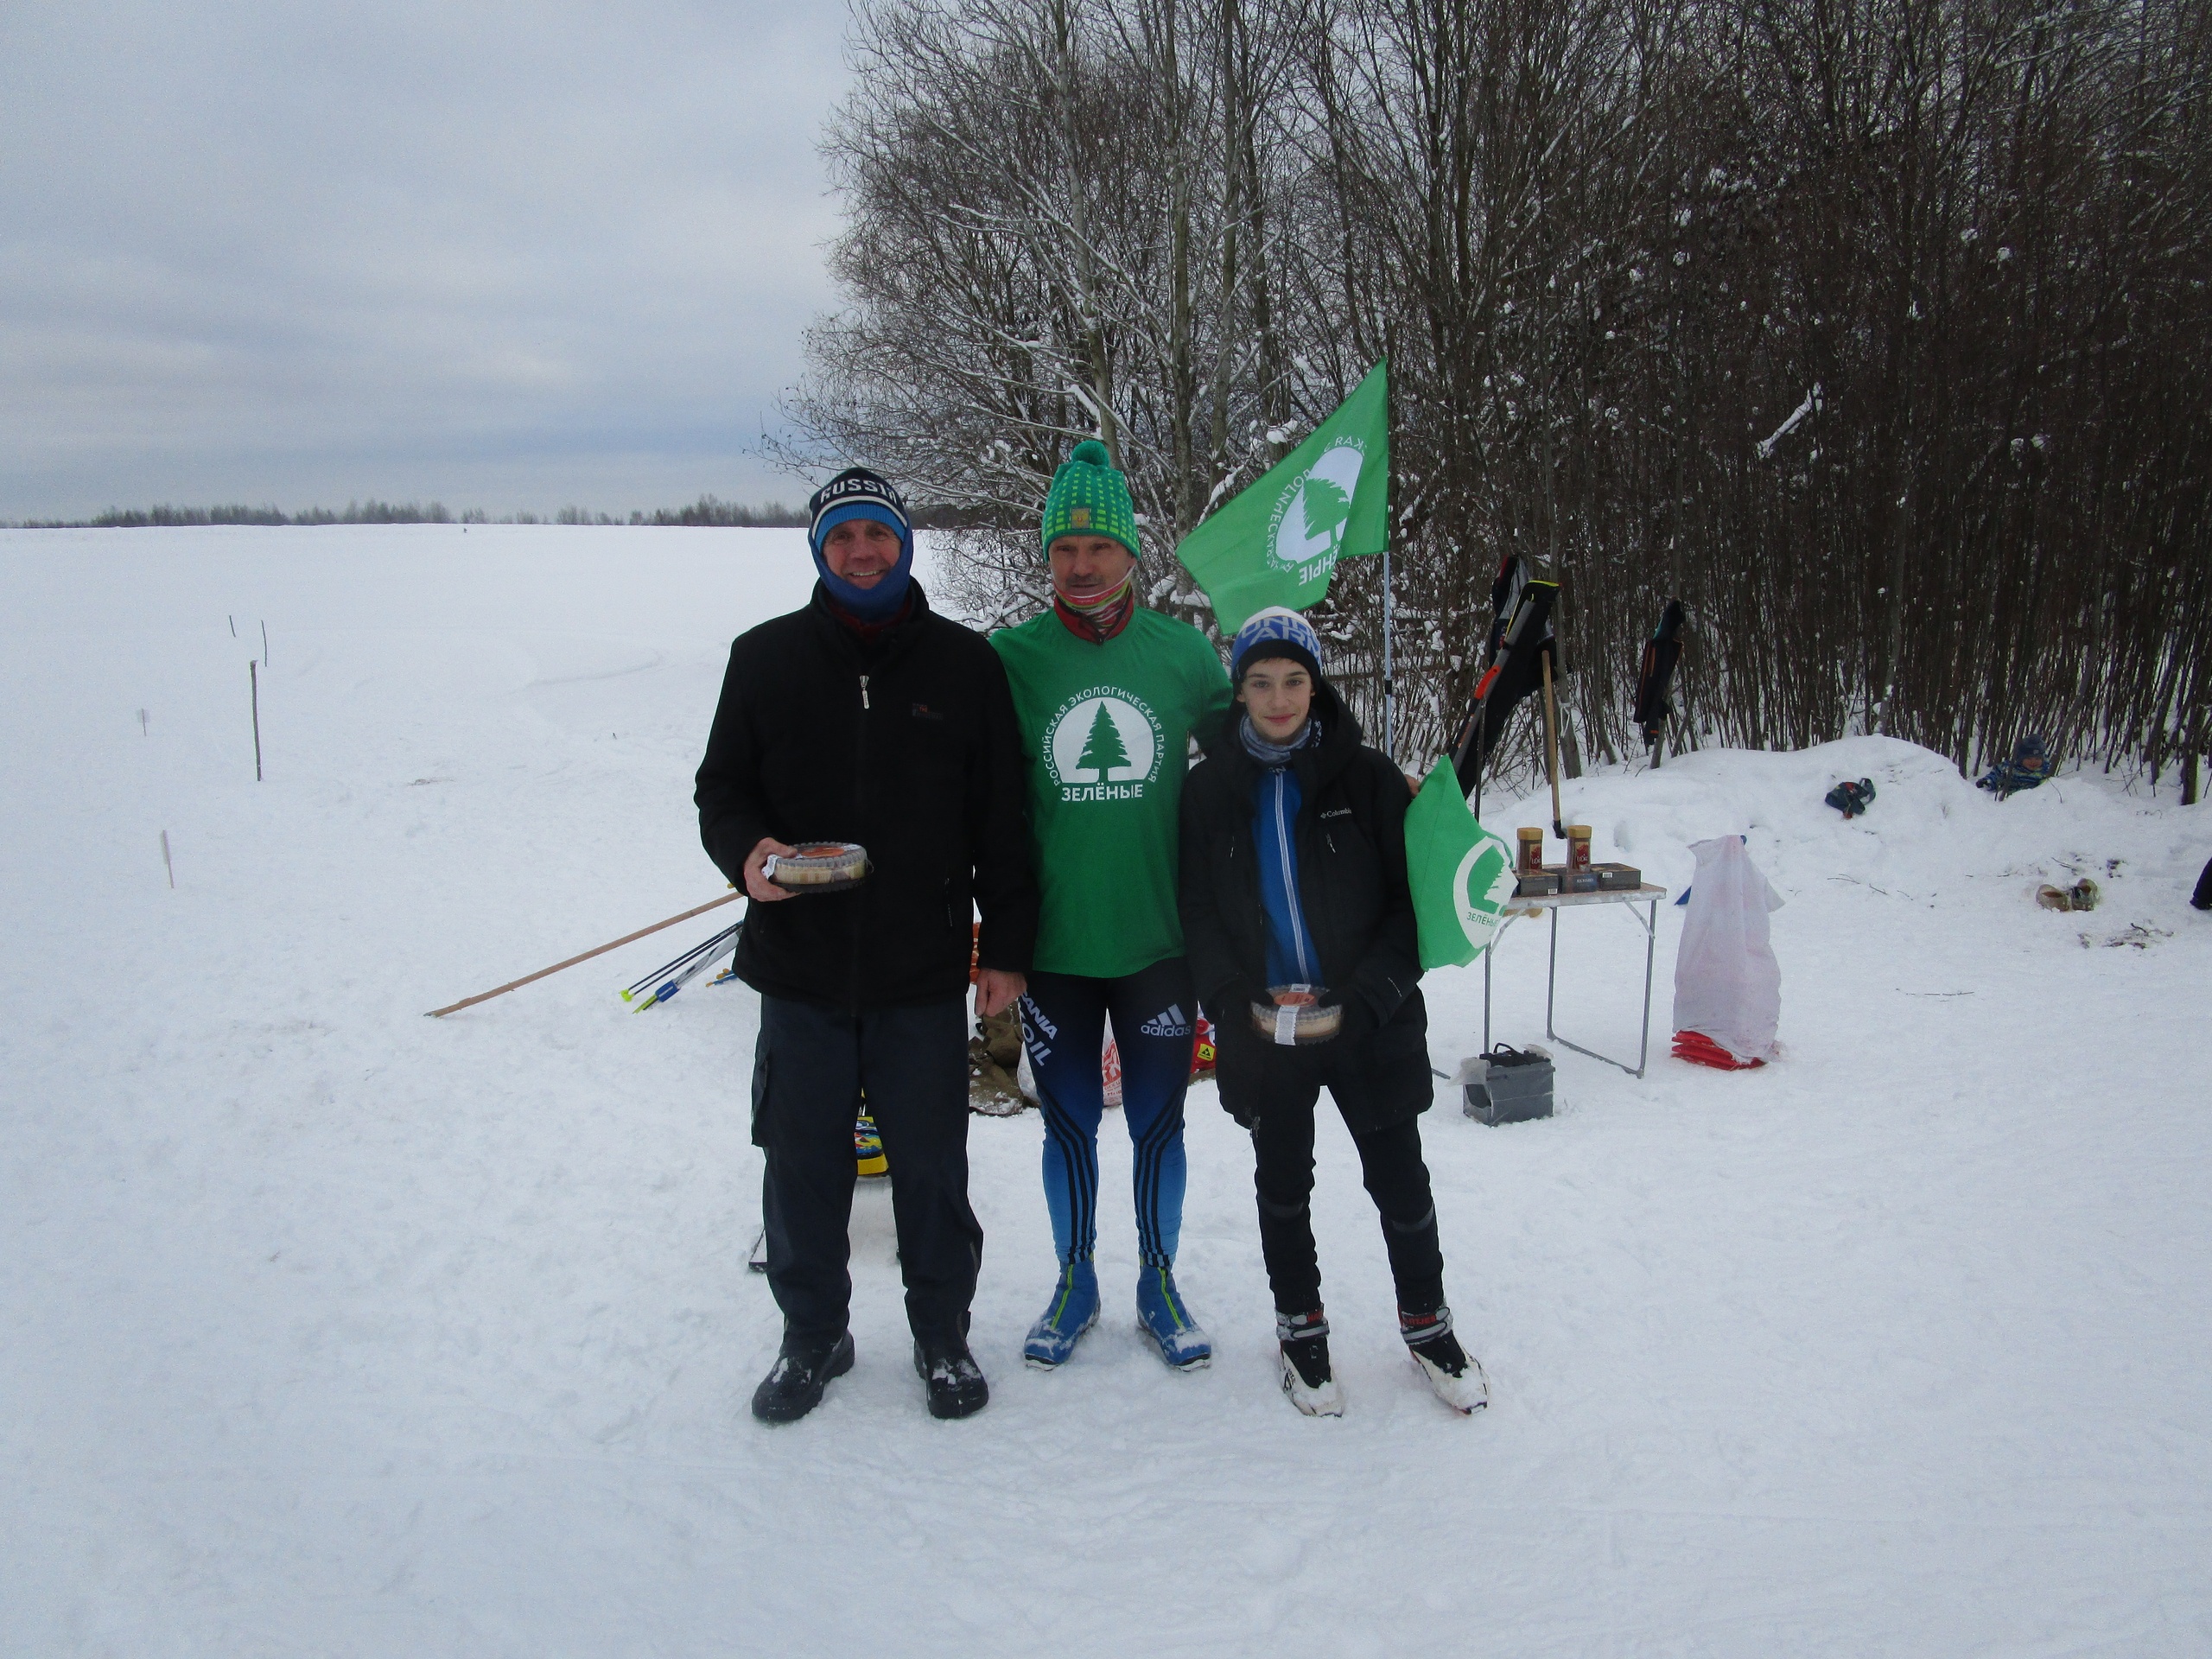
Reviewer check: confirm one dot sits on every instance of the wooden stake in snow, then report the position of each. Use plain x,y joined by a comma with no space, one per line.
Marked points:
142,730
166,865
264,645
515,984
253,682
233,621
1551,746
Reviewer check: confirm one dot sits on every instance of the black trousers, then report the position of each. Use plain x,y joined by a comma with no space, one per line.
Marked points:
1282,1178
810,1069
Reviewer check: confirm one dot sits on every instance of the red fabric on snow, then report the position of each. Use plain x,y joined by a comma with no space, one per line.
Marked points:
1700,1050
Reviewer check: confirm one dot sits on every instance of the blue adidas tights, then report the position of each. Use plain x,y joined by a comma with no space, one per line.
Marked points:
1063,1024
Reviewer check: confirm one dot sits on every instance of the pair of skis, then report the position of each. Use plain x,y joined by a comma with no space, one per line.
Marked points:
666,981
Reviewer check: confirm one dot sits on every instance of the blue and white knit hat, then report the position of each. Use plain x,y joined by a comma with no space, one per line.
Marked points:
857,492
1275,631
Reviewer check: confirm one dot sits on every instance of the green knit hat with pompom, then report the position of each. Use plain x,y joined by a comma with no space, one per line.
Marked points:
1089,498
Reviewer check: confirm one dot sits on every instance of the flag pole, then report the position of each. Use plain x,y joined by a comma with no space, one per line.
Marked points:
1386,686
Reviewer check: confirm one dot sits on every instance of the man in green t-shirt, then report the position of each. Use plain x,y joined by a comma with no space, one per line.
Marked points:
1108,693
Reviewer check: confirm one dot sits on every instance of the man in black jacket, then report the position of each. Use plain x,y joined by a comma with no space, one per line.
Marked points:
865,717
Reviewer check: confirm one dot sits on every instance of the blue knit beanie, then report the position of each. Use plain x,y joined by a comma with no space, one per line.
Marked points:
857,492
1275,631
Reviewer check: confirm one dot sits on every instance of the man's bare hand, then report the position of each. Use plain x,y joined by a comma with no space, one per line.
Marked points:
757,884
995,991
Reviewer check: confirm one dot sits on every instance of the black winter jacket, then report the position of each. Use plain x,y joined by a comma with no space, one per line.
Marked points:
1352,887
907,746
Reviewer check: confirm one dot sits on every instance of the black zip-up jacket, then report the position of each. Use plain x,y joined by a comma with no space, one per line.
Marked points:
1351,836
907,745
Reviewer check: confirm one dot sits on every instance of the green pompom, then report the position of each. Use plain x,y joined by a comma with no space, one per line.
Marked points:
1092,453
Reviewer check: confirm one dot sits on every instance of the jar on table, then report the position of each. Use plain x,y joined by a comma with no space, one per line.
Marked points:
1531,850
1578,847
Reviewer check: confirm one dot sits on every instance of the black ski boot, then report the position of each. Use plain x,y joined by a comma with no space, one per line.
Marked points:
803,1369
1302,1355
949,1371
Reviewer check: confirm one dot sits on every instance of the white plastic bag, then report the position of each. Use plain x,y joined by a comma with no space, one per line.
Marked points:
1727,983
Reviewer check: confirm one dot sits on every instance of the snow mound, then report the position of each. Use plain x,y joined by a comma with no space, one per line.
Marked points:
1929,835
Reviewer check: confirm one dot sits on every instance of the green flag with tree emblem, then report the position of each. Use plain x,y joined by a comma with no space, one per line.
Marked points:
1462,875
1278,540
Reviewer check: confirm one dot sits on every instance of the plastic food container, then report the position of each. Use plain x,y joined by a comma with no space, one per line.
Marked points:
818,866
1297,1015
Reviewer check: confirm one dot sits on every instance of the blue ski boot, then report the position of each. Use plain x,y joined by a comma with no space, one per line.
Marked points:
1073,1311
1162,1316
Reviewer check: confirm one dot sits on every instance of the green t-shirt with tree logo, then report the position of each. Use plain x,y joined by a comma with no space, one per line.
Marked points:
1106,730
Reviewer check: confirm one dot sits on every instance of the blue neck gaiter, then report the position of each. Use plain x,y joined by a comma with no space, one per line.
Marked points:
881,602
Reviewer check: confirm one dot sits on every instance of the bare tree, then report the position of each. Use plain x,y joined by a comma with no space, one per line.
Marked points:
1875,330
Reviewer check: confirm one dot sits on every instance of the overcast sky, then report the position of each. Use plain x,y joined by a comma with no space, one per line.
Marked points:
511,255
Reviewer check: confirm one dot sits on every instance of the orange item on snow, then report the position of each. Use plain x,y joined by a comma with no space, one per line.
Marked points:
1109,1063
1700,1050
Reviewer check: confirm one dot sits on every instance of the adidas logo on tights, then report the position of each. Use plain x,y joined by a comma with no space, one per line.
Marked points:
1173,1022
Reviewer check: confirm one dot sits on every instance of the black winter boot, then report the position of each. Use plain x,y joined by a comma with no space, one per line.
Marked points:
949,1371
1302,1355
803,1369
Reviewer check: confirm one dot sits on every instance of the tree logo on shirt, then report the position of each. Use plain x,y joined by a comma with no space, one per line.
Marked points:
1103,745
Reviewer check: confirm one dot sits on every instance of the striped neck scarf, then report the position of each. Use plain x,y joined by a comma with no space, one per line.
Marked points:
1275,754
1098,617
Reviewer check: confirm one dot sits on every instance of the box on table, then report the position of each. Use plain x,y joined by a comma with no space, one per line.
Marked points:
1618,878
1541,884
1508,1085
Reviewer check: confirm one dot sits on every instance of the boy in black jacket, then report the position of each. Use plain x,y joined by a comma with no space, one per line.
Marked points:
1294,893
864,717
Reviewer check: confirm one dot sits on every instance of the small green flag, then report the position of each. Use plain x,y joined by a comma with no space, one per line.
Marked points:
1278,540
1462,875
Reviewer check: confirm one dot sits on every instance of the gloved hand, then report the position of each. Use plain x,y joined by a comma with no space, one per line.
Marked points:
1228,1005
1359,1019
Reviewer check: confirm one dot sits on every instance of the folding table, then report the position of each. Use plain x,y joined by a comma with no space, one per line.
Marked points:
1647,895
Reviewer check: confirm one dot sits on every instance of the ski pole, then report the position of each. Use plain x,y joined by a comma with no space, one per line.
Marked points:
668,990
516,984
667,968
700,962
714,944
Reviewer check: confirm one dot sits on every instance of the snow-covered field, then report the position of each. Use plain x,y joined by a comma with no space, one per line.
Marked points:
327,1329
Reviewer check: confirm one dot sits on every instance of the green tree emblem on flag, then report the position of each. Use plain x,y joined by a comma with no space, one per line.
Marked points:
1327,508
1479,901
1103,750
1277,541
1461,874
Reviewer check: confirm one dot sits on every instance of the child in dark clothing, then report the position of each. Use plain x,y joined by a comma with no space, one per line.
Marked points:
1294,896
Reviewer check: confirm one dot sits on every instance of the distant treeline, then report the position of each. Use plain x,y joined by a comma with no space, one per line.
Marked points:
707,510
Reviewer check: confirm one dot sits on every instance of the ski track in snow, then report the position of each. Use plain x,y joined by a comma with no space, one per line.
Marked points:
329,1329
